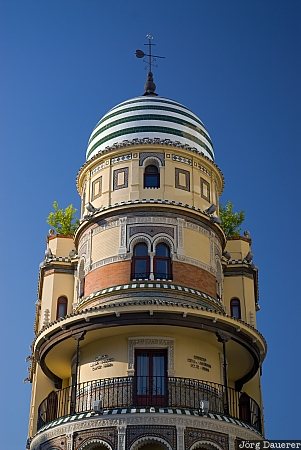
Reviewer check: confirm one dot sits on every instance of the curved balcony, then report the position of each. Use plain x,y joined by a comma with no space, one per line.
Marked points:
145,392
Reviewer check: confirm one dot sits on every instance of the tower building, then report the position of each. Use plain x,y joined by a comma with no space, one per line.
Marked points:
145,329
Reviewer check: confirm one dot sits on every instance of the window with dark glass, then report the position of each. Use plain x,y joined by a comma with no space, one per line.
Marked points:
140,262
235,308
61,310
151,377
151,177
162,262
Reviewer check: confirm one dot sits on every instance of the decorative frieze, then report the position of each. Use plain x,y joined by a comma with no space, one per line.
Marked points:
110,260
150,433
151,230
205,437
98,168
181,159
105,226
192,422
121,158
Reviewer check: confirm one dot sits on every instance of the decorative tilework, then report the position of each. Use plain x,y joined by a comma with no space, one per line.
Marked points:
182,179
182,159
97,169
96,188
120,178
144,155
165,432
194,435
121,158
205,189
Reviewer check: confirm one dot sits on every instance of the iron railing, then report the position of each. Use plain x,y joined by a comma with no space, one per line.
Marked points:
144,392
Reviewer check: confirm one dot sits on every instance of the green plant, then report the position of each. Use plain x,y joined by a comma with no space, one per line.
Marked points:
63,220
231,220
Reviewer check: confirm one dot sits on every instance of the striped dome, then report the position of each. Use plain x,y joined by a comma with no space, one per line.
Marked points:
150,117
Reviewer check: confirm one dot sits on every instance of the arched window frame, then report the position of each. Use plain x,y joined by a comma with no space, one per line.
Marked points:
151,178
62,302
235,308
153,160
136,258
158,258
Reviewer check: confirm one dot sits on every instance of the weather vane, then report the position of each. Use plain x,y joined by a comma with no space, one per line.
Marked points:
150,86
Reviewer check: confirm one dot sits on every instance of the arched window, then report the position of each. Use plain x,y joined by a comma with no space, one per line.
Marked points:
235,308
61,309
151,177
140,262
162,262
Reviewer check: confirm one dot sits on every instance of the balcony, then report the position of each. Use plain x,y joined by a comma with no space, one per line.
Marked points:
146,392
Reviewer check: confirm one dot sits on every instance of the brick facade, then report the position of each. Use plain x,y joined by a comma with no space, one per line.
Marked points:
108,275
120,273
194,277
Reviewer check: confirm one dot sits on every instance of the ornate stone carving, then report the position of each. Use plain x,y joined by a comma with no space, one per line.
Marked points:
193,435
151,230
135,433
155,419
58,443
106,435
144,155
105,226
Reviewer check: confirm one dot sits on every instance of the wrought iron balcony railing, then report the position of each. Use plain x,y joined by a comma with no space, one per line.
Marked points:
144,392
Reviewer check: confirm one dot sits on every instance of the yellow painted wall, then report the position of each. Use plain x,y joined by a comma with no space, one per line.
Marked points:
61,246
238,248
167,190
115,347
241,287
196,245
54,286
42,386
105,244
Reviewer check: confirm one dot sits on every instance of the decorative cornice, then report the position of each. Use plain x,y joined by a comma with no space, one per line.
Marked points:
148,141
146,285
92,218
140,416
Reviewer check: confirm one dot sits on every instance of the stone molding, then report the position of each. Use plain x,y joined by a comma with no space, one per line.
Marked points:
151,342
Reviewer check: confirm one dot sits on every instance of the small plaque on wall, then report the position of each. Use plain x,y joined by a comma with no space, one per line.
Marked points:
102,362
199,362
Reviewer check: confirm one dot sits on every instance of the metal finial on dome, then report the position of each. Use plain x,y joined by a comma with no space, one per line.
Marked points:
149,87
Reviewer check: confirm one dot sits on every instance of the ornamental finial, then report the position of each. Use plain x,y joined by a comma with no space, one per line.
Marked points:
149,87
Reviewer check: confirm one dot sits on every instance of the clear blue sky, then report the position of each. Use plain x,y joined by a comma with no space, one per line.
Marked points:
236,64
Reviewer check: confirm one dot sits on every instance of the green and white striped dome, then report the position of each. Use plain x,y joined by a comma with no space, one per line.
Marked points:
150,117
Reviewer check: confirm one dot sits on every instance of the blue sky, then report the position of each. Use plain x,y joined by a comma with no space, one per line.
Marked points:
236,64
